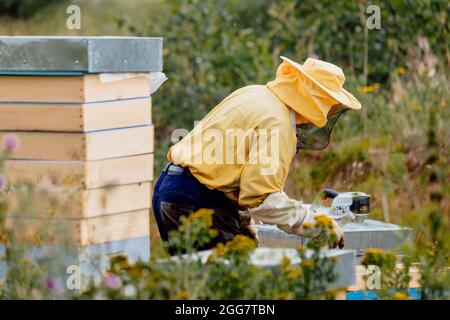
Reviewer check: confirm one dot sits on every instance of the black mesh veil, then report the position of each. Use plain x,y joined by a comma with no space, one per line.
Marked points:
311,137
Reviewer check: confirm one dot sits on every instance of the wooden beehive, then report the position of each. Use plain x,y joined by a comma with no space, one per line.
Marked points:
85,143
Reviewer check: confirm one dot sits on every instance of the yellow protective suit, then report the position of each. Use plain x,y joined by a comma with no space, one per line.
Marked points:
251,169
251,109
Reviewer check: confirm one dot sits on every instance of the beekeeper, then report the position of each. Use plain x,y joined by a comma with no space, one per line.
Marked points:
236,159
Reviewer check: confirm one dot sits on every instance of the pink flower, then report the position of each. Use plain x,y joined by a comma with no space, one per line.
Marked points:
313,55
2,182
53,285
112,281
10,142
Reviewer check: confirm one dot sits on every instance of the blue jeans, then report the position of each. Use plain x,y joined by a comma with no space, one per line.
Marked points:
179,194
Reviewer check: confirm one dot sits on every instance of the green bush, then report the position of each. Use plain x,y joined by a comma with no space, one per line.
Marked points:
226,274
214,47
23,8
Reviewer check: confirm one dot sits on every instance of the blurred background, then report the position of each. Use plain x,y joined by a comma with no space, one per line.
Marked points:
397,148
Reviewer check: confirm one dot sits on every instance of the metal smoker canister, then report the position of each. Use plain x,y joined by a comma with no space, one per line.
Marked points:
360,202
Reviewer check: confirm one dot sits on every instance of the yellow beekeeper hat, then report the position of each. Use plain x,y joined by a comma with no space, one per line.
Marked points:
329,77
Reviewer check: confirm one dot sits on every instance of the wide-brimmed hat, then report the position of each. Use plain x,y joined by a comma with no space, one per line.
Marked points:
328,77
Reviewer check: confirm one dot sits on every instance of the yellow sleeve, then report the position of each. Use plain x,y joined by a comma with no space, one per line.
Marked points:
270,156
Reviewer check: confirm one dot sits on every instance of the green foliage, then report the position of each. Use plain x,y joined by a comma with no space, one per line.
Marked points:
430,254
431,251
23,8
402,152
192,232
227,273
214,47
25,278
394,278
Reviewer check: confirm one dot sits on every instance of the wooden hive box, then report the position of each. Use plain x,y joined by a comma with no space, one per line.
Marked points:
85,139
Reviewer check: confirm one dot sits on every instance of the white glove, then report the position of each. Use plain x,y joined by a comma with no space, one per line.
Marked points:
314,223
292,216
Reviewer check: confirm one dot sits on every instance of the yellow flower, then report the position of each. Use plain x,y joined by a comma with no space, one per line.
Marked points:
286,262
294,273
369,89
307,263
219,250
401,296
284,296
136,273
323,221
182,295
204,215
400,70
374,251
306,225
239,244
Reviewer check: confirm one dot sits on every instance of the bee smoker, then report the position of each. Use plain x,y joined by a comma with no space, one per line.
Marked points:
351,206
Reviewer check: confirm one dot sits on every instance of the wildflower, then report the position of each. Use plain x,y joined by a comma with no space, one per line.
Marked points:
219,250
307,263
53,285
239,245
374,251
2,182
201,216
306,225
285,262
136,273
281,296
182,295
284,296
400,70
120,262
323,220
112,281
369,89
401,296
202,213
294,273
10,142
374,256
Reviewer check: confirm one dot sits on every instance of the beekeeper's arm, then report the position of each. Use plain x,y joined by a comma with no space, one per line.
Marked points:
261,185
